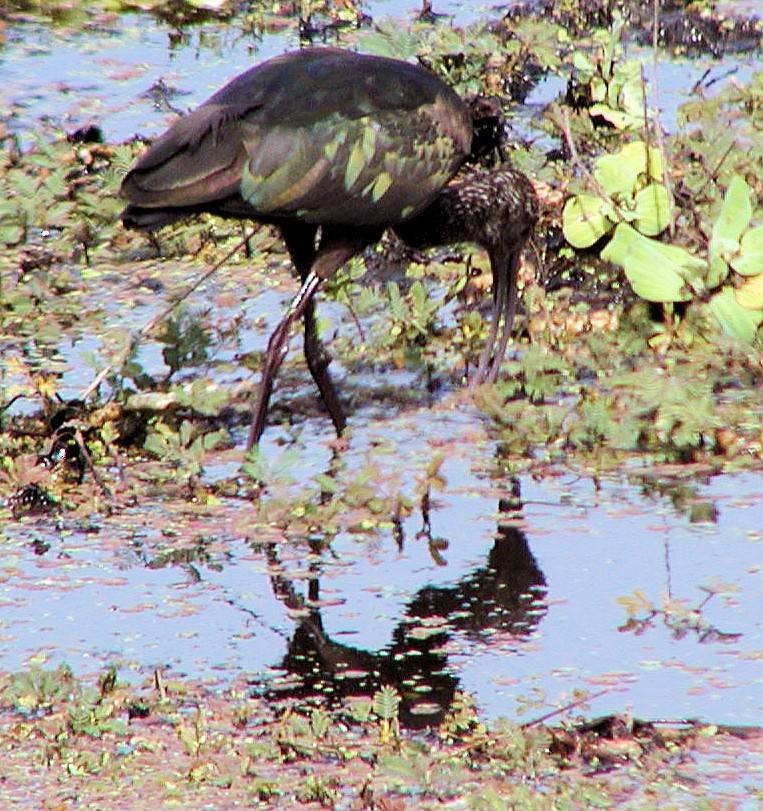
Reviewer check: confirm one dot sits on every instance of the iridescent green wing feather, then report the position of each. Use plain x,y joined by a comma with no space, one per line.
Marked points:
368,170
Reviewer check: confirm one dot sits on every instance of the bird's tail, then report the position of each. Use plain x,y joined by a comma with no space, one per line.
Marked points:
150,219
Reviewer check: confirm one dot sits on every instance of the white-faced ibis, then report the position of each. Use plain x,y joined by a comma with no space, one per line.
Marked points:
334,147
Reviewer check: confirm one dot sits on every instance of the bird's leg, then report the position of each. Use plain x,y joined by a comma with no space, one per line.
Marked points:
300,240
318,360
277,346
335,249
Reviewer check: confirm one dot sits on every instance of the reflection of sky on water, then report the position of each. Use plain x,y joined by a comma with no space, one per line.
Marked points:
101,76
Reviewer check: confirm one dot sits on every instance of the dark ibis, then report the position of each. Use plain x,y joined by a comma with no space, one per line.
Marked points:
334,147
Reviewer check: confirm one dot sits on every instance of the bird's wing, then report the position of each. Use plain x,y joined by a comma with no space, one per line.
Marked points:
327,136
371,169
198,160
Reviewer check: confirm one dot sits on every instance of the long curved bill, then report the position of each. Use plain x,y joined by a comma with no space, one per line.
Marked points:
505,271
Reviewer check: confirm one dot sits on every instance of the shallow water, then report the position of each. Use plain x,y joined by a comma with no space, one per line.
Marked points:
510,591
103,74
515,601
75,76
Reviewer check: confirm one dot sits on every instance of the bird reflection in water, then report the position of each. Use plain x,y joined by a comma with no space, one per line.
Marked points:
504,599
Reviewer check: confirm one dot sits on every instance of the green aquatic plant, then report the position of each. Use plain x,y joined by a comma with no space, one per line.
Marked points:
184,449
38,690
610,88
630,192
727,277
386,707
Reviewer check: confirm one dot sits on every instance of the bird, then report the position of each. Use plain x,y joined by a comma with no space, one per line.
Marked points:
334,147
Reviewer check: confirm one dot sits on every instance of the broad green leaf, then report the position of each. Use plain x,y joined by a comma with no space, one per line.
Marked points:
355,165
619,119
657,272
725,247
735,320
186,432
621,174
750,294
653,206
749,260
734,217
636,155
736,212
720,252
718,270
617,176
11,234
582,62
631,97
598,90
152,401
583,222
